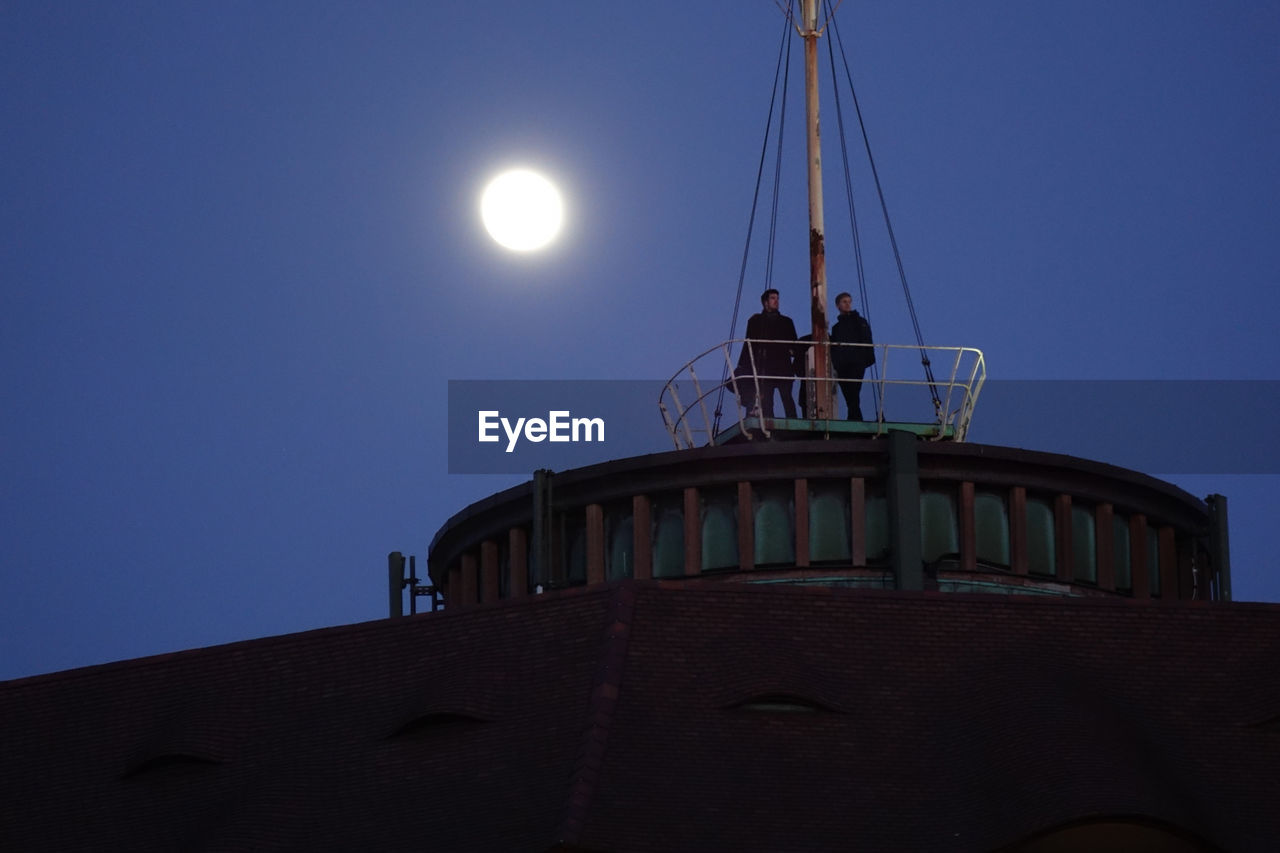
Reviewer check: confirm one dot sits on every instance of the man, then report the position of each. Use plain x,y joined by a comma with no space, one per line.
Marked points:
772,360
851,362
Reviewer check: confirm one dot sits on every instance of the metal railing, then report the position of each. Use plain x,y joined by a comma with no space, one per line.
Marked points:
695,408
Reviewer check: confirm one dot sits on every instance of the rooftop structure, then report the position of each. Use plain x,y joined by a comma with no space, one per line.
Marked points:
891,513
652,715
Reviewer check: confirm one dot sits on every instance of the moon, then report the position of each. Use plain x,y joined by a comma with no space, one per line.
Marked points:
521,210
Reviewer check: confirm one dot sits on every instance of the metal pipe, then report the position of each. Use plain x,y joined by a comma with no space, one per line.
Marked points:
1219,544
413,585
824,391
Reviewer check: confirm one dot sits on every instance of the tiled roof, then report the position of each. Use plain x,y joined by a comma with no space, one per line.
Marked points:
625,717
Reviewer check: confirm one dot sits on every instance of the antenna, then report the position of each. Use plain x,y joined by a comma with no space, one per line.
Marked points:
396,582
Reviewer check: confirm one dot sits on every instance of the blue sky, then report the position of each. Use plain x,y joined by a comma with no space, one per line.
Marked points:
240,257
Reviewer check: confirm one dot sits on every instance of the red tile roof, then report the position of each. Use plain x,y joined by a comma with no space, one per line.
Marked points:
621,718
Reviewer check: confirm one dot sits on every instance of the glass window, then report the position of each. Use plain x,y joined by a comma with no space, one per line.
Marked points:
477,576
719,509
575,538
1084,543
667,525
939,534
1153,560
775,531
991,523
877,528
504,566
619,539
1120,553
830,535
532,578
1041,542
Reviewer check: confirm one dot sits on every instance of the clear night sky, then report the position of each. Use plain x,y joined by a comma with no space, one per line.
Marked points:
240,256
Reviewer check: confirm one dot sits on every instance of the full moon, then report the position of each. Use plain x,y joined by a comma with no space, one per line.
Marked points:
521,210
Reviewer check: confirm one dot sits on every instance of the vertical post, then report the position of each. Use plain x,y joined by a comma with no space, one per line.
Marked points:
858,521
968,527
395,583
1138,556
746,528
692,532
435,593
413,584
904,510
540,547
595,544
1018,556
802,522
824,392
1167,548
641,533
1219,544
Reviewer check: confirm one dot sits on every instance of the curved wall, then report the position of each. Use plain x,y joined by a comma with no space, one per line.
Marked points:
836,513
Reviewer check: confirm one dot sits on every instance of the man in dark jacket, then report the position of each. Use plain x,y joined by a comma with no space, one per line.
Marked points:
850,362
773,359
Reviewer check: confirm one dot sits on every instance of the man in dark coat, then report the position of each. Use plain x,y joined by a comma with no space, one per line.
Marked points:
851,363
773,359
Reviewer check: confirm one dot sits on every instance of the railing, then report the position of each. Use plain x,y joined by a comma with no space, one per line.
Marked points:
703,399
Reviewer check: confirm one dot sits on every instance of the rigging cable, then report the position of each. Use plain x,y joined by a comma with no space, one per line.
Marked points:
783,70
777,172
853,216
893,241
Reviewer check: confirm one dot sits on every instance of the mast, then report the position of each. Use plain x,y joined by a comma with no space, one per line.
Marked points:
825,404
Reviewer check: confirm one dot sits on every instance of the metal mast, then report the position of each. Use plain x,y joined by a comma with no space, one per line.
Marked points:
825,407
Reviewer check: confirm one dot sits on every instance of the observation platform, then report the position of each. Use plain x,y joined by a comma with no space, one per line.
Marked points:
714,399
753,427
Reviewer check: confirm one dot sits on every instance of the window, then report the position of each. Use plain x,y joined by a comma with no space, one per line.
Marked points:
1041,542
991,524
575,547
1120,552
939,534
829,522
1084,544
1153,561
619,543
504,566
527,565
475,578
877,528
719,511
667,530
775,530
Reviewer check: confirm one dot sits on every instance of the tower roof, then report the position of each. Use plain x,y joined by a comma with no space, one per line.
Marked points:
644,715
